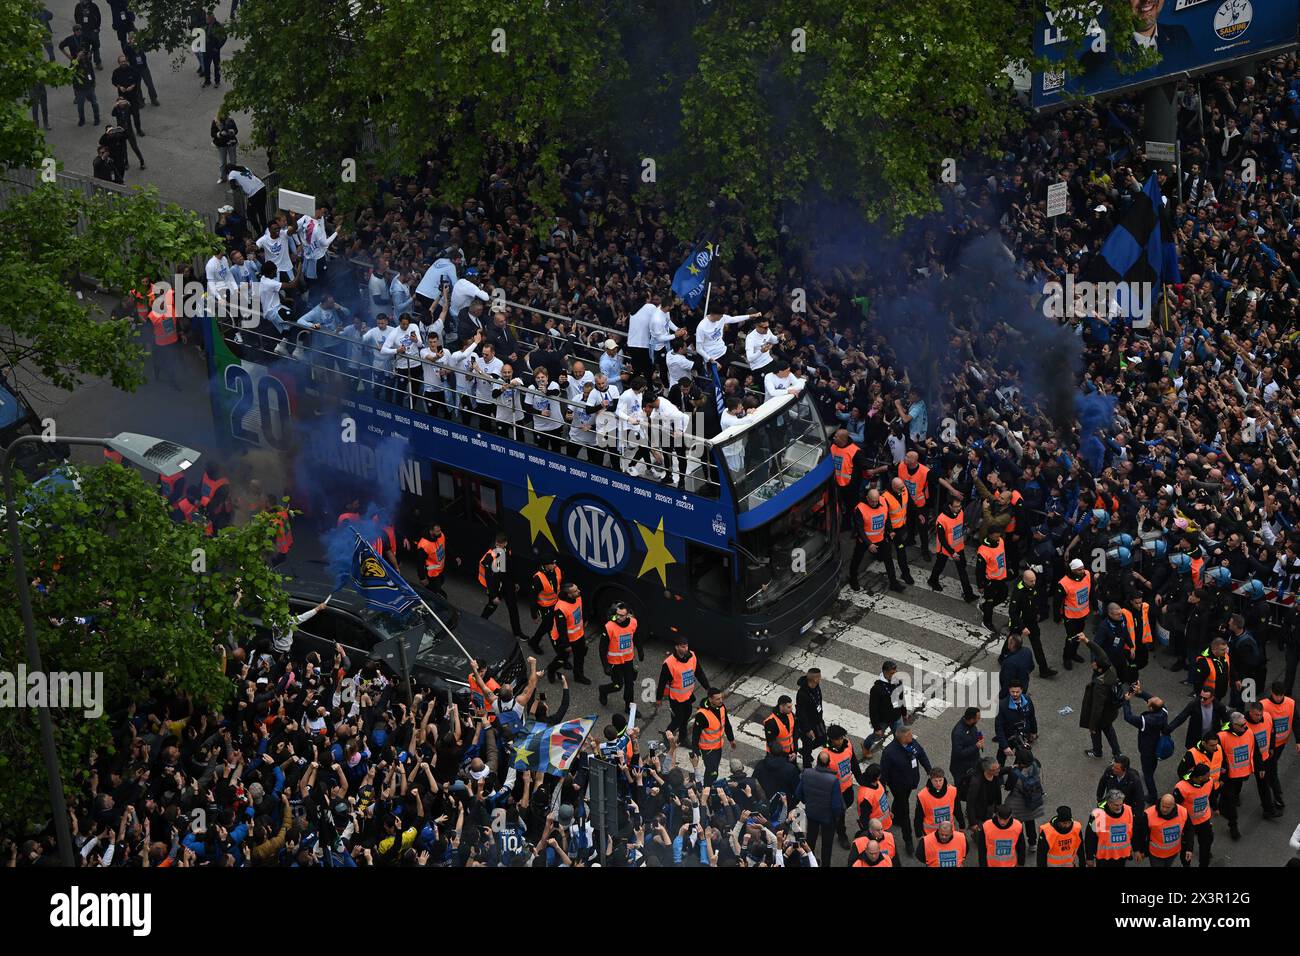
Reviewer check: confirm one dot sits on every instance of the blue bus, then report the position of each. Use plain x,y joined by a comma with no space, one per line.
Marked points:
742,556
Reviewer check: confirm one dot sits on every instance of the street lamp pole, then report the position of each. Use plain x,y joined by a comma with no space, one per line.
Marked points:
62,831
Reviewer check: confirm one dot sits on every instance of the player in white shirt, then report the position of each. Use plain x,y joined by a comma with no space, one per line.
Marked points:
780,381
582,423
505,393
400,293
668,428
315,242
678,363
709,343
548,413
759,343
603,400
275,248
733,414
579,375
404,344
434,369
464,292
631,425
372,344
638,335
487,365
662,333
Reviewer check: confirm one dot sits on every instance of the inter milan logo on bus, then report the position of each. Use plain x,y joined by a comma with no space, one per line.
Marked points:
596,536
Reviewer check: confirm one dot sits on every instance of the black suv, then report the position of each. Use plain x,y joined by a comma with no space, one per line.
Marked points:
346,619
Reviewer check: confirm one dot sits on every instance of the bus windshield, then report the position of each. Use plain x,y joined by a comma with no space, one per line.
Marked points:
783,552
778,445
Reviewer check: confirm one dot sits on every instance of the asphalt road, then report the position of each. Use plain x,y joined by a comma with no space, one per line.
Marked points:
919,629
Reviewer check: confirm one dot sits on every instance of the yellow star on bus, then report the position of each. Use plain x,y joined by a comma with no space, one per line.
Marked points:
657,555
535,511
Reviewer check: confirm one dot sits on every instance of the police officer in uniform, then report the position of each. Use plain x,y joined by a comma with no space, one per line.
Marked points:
620,645
1023,610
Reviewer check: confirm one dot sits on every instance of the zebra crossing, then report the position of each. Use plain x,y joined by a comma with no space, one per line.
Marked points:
946,658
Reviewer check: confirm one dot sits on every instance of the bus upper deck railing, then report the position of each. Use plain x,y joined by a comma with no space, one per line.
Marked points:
636,449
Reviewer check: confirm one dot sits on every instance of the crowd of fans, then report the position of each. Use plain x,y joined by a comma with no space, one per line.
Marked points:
320,762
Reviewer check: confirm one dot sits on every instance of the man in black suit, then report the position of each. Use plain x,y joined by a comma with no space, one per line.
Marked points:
1203,713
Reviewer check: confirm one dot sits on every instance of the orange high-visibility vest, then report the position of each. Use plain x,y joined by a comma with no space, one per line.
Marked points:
1195,800
435,555
954,530
620,637
1077,596
1197,565
945,855
842,764
570,613
1000,843
936,810
163,320
1016,498
1283,715
844,458
1165,836
995,561
1114,836
167,484
209,489
711,736
1062,848
1263,732
860,844
873,521
877,798
784,733
915,482
1134,638
897,508
548,591
284,536
1215,668
1215,765
681,687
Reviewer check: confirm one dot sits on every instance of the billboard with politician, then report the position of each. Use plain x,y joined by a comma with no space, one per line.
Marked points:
1190,35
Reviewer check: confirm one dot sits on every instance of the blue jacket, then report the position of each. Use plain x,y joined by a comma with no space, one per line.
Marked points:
819,789
1018,665
1150,726
896,768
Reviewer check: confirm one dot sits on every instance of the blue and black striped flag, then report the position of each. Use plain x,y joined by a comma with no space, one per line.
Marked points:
1139,255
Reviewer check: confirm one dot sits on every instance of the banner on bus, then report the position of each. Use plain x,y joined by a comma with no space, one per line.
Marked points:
1191,36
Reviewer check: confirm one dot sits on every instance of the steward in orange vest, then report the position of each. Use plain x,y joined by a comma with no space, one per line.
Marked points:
991,573
678,678
620,645
494,577
896,501
778,727
1000,841
214,496
916,478
950,545
871,528
1163,833
1072,604
1195,794
1109,841
433,546
547,582
944,847
710,726
1060,841
845,453
568,635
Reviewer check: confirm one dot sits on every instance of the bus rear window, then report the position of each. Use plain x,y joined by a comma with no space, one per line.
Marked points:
782,553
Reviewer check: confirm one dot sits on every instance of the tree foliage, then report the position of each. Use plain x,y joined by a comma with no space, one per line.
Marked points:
743,117
111,552
49,236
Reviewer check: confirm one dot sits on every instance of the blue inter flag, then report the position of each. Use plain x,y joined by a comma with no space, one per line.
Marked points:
382,587
690,280
551,748
1142,247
